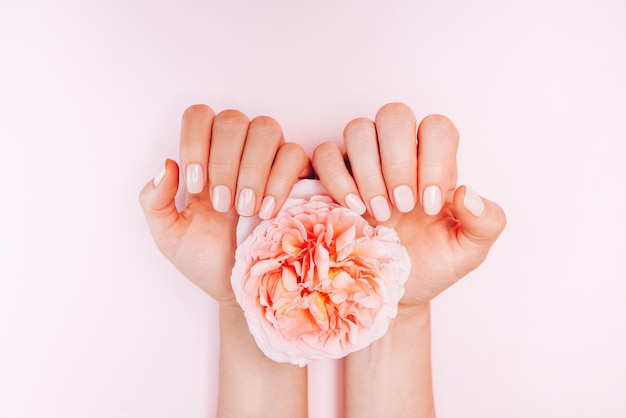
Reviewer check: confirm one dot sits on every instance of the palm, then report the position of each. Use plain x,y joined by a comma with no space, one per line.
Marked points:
437,257
202,247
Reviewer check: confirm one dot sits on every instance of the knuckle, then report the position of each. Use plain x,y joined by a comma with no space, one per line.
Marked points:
294,151
439,123
358,129
231,119
198,111
369,177
325,151
433,169
500,221
399,166
395,110
142,198
266,125
223,168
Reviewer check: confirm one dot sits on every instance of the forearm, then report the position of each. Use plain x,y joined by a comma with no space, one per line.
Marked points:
393,376
250,384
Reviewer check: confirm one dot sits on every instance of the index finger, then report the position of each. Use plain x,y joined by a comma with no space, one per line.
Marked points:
195,136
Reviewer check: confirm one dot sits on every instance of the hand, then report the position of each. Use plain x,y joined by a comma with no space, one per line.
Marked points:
226,159
447,231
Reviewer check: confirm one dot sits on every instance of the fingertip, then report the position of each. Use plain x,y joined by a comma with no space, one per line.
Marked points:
298,155
158,192
354,202
330,166
432,200
160,175
290,162
396,109
482,219
268,206
473,202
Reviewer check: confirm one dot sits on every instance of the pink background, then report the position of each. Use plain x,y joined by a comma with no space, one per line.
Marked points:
95,323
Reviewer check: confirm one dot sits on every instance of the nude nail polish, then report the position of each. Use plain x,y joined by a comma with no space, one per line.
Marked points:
473,202
355,203
432,200
195,178
159,177
267,207
221,198
380,208
246,202
403,198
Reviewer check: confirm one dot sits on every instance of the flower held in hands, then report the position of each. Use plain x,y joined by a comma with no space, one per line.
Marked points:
318,281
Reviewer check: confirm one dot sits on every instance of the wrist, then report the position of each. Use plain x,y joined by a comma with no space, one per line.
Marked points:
230,308
394,373
413,313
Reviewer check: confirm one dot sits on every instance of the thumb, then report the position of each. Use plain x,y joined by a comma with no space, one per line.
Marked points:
481,220
157,201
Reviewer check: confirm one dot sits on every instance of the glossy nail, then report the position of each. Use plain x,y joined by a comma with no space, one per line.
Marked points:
221,198
432,200
355,203
194,178
246,202
267,207
380,208
159,177
473,202
403,198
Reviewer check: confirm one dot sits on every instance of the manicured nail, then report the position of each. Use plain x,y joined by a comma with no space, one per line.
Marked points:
194,178
473,202
380,208
355,203
221,198
159,177
432,200
267,207
246,202
403,198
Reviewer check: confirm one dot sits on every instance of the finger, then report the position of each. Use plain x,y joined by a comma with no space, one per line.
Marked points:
195,136
331,169
228,137
438,140
264,138
481,220
362,148
291,160
397,142
157,202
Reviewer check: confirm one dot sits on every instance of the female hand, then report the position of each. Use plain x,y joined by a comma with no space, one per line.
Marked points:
232,167
408,183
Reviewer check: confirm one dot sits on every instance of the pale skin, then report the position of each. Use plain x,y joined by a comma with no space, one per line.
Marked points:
447,230
447,234
228,152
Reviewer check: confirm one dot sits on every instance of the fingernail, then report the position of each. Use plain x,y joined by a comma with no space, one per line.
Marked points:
267,207
473,202
159,177
221,198
194,178
245,202
380,208
403,198
432,200
355,203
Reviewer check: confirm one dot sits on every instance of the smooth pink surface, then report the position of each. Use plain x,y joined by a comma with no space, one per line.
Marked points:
95,322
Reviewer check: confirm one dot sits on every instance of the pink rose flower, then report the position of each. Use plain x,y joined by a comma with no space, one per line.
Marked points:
318,281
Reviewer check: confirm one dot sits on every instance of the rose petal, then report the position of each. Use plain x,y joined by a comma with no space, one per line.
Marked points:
318,281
